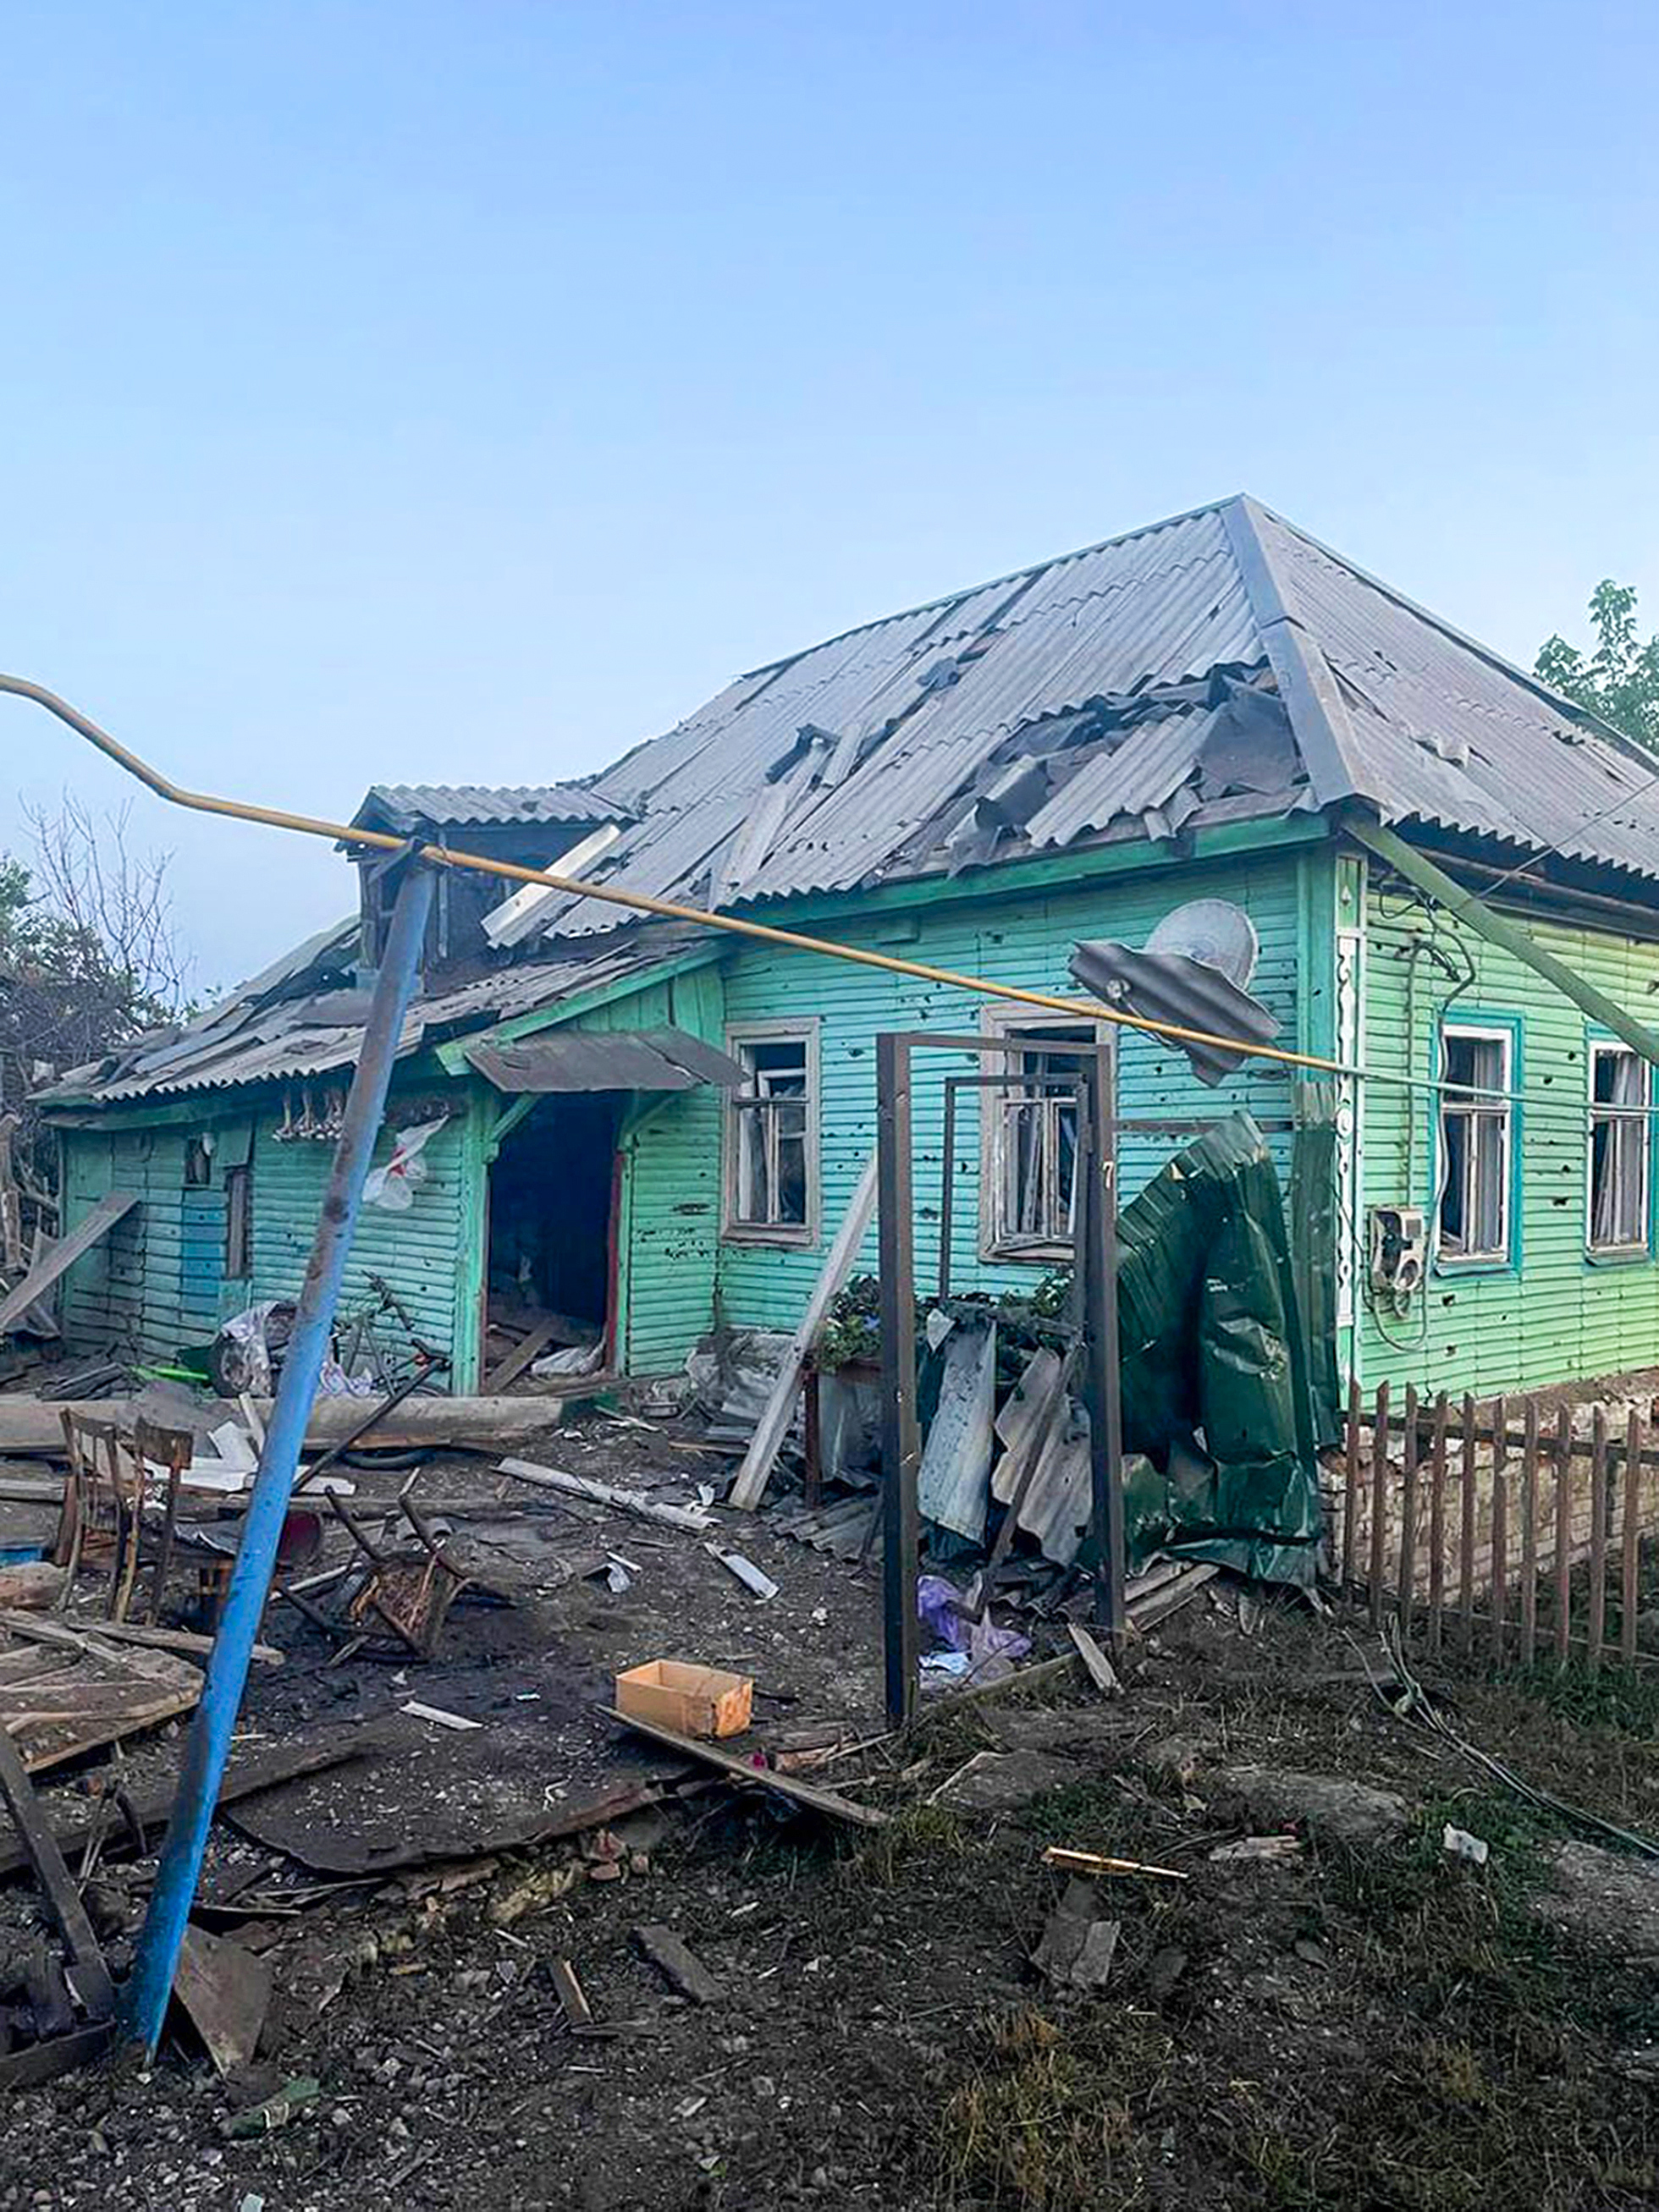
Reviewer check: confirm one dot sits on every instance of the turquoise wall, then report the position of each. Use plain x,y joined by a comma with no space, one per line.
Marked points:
1551,1313
675,1193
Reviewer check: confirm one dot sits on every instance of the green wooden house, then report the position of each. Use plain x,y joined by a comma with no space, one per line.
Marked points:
1453,875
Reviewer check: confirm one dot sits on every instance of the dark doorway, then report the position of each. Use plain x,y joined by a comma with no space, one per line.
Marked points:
551,1246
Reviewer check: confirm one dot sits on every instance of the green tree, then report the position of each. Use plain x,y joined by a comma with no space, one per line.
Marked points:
1618,678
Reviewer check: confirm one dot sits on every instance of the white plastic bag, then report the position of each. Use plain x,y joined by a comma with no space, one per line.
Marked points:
393,1187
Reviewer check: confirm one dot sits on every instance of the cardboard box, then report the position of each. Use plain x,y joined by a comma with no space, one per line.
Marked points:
693,1700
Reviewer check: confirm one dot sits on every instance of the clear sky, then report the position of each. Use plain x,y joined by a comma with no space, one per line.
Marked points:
405,391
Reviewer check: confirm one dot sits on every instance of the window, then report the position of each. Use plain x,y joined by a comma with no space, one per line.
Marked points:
772,1167
1476,1153
1031,1164
198,1163
1618,1149
239,1224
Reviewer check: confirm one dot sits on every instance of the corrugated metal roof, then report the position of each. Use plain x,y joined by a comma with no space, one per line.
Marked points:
471,805
243,1043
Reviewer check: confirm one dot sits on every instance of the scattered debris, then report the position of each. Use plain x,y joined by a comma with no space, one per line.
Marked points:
1459,1844
1257,1851
438,1714
678,1965
291,2100
695,1519
1078,1945
746,1572
1097,1862
226,1990
816,1800
1101,1671
578,2012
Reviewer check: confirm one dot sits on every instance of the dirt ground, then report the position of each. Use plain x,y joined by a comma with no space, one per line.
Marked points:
1365,2021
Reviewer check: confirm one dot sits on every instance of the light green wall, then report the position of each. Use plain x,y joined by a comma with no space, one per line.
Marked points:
1555,1314
675,1198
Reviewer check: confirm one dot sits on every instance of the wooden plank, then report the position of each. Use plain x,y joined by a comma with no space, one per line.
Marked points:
1500,1534
1101,1671
752,1476
62,1256
1406,1579
1529,1537
1437,1526
108,1694
91,1976
1563,1534
1350,1483
828,1801
1596,1628
227,1992
1466,1534
679,1965
68,1633
1630,1561
529,1348
1379,1500
30,1428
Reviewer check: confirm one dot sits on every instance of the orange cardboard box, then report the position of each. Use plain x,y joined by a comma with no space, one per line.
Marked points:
692,1700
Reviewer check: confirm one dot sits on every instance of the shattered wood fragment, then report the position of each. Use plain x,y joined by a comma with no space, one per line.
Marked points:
751,1576
694,1519
679,1966
1257,1851
226,1991
438,1714
577,2011
1077,1944
1101,1671
817,1800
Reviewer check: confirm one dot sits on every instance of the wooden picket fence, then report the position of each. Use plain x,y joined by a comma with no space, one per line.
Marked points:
1458,1520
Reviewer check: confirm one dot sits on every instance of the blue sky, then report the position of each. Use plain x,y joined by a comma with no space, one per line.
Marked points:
465,391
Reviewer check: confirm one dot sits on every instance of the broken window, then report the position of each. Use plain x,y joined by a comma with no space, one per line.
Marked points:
239,1224
1031,1171
772,1143
1618,1149
1476,1153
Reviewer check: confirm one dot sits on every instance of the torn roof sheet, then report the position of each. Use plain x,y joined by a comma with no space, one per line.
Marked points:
881,736
409,806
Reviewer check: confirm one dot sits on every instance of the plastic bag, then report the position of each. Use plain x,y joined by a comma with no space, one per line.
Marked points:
393,1186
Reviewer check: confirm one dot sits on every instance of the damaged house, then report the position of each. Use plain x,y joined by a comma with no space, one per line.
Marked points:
621,1132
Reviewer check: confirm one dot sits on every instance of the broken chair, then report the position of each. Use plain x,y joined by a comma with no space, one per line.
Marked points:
112,1512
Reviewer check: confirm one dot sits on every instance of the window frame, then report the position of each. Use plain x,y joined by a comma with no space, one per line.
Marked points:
1504,1031
1009,1024
1596,1045
795,1236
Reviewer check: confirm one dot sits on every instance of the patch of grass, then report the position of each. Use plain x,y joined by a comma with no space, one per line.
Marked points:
1624,1700
1049,2115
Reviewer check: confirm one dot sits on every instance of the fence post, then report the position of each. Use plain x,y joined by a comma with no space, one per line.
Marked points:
1529,1537
1500,1525
1631,1557
1466,1587
1379,1499
1563,1534
1598,1561
1406,1584
1437,1526
1350,1485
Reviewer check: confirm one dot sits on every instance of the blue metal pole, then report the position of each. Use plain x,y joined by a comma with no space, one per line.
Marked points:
144,2000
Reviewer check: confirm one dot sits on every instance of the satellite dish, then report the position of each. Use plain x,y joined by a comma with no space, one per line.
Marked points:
1192,971
1214,931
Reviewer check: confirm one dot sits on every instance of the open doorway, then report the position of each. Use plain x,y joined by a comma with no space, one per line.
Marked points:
551,1277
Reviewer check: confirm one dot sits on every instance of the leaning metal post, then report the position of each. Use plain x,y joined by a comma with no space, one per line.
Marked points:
900,1446
144,2001
1105,1381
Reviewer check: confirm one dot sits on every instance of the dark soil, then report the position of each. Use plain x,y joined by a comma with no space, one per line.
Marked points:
1360,2025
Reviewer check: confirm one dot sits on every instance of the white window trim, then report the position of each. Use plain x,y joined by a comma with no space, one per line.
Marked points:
1003,1022
796,1236
1642,1114
1502,1252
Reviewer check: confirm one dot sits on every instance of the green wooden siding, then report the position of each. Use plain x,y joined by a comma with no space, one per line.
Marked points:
1554,1314
675,1193
156,1282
